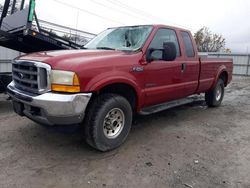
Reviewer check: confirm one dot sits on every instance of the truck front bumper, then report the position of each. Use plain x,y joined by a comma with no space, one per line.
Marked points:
50,108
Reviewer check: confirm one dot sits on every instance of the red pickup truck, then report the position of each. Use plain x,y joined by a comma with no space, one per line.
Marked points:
121,72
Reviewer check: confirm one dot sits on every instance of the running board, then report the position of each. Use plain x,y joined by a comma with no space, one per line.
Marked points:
171,104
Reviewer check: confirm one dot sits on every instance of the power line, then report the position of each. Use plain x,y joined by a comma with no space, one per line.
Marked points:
132,9
120,11
88,12
140,12
118,3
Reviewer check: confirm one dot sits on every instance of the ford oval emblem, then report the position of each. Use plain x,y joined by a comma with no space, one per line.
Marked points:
20,75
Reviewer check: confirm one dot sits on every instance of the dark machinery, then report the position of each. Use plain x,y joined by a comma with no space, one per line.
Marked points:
21,30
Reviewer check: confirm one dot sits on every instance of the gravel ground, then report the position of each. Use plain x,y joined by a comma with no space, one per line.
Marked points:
185,147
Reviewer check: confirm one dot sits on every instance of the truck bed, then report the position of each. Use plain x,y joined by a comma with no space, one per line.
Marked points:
209,71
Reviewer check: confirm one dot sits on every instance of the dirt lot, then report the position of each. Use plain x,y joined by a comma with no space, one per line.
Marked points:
189,146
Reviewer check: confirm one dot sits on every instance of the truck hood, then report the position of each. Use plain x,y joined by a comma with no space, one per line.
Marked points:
73,59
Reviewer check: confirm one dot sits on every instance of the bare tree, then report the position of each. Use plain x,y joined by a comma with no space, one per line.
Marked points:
209,42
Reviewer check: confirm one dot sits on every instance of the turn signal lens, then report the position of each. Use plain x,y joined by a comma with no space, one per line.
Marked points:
64,88
76,80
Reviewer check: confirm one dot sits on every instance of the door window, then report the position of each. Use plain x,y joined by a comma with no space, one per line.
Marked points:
164,35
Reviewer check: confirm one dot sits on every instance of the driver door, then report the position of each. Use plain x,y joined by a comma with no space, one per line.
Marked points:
163,79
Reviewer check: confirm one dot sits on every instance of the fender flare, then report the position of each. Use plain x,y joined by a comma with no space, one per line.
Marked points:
221,69
97,86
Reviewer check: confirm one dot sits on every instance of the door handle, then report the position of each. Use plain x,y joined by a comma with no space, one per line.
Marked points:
183,67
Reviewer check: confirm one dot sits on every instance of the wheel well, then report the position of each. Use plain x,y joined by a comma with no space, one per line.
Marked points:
124,90
224,77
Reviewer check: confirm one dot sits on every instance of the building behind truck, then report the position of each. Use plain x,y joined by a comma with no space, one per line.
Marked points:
6,56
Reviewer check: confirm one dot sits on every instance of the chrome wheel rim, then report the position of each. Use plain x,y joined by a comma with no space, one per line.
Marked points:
218,93
113,123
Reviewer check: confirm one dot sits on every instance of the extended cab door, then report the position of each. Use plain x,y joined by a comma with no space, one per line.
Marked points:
163,79
190,65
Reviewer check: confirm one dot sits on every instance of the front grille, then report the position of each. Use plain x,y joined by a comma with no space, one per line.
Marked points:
31,76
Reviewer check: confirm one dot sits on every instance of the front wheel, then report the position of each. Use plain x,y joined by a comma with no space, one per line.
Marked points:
108,122
214,97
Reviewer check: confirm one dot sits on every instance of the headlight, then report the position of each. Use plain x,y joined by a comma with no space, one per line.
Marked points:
64,81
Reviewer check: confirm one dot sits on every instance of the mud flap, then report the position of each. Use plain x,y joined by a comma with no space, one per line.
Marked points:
18,108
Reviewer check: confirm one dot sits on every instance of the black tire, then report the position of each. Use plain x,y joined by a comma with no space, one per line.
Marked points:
213,98
96,132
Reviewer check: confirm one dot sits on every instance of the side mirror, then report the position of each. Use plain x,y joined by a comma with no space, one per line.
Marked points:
168,53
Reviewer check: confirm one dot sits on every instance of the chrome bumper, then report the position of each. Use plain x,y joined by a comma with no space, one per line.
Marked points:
50,108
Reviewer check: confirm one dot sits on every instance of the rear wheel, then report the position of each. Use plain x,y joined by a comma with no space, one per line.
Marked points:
214,97
108,122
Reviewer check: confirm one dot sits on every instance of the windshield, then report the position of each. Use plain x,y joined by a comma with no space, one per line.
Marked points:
122,38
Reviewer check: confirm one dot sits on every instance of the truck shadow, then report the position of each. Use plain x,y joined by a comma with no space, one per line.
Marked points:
5,104
172,113
70,140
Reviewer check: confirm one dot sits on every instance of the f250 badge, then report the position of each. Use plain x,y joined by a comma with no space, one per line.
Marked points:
137,69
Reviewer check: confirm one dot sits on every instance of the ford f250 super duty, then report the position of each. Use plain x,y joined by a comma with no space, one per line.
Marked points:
121,72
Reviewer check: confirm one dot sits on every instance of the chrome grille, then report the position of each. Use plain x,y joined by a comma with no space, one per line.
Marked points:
31,76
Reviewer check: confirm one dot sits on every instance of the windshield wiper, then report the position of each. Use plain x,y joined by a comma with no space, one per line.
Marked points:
105,48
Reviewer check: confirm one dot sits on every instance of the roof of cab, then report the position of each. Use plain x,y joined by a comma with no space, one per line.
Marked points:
153,25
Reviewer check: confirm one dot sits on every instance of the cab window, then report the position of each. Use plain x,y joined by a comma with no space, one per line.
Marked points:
188,44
